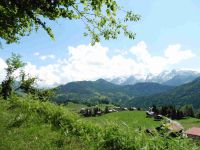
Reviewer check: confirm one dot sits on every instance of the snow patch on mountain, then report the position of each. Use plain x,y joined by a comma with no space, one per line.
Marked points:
174,77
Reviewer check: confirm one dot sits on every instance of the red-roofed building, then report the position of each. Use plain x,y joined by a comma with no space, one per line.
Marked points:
193,132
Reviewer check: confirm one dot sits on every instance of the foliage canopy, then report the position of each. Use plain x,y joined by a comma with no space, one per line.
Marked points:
19,17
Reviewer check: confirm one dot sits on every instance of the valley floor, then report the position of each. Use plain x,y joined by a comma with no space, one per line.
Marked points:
127,119
131,119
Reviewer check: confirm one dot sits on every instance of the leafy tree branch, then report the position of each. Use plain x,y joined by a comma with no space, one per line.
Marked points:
19,17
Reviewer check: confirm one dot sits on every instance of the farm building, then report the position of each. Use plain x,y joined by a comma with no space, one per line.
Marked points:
193,132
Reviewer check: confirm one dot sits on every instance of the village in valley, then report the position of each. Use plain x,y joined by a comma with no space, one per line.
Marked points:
167,124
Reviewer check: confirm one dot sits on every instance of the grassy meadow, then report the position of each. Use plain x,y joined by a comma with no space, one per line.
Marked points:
21,130
137,119
127,119
190,122
35,125
130,119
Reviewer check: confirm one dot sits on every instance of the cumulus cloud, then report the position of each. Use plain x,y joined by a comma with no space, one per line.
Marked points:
2,69
155,64
87,62
44,57
174,54
36,54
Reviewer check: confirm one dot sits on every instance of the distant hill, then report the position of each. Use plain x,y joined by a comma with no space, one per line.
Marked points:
185,94
92,91
89,87
146,88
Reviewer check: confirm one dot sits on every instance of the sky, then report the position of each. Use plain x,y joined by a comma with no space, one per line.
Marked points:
167,37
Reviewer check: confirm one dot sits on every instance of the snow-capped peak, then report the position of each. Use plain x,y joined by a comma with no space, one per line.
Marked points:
173,77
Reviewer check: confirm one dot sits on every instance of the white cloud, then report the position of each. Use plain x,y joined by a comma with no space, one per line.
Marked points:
44,57
36,54
174,54
87,62
155,64
141,52
2,69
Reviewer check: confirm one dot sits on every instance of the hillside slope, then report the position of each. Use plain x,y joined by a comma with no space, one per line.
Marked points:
185,94
31,124
103,90
22,130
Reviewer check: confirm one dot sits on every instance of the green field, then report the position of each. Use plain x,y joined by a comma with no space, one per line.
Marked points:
74,107
130,119
190,122
137,119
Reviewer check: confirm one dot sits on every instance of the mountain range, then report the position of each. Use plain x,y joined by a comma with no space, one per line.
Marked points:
175,87
185,94
93,91
172,78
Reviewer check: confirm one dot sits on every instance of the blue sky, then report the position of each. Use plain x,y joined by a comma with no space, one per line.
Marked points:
166,24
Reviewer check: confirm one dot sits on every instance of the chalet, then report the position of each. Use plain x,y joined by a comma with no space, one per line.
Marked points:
158,117
114,110
133,108
117,108
110,110
193,132
82,111
99,113
149,113
125,108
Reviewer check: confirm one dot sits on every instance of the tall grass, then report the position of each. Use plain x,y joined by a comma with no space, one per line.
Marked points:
91,136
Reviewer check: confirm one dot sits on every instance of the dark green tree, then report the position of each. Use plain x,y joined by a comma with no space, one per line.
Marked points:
27,83
154,109
106,109
163,110
13,63
188,110
197,114
19,17
44,94
7,88
172,112
179,114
